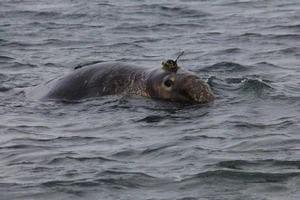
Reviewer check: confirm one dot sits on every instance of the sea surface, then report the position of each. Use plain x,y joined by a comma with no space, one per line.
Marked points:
245,145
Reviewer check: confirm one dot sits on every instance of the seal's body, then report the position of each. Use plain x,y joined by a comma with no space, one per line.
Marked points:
116,78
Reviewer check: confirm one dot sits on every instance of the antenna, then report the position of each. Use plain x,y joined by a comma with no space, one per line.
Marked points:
179,56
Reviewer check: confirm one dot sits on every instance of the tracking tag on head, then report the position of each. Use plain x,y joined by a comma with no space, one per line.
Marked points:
171,65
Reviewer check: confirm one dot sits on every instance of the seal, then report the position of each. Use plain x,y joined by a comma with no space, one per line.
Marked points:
98,80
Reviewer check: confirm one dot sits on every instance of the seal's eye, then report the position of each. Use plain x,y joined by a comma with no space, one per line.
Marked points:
168,83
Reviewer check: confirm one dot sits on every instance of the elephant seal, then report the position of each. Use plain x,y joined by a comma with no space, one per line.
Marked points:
167,83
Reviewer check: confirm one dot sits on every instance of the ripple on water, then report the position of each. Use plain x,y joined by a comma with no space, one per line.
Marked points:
226,67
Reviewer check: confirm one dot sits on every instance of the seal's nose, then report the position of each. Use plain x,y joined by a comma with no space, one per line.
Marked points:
199,91
190,88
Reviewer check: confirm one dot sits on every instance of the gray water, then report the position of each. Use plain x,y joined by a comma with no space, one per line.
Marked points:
245,145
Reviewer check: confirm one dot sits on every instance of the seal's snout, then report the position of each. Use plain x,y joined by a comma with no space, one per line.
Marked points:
199,91
192,89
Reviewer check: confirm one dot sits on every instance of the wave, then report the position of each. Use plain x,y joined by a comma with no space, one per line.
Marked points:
182,11
243,85
18,65
78,160
261,126
250,34
200,137
71,139
258,87
226,67
282,165
22,146
172,10
286,51
3,77
5,59
125,153
152,119
230,51
267,65
289,26
112,178
293,37
249,177
4,88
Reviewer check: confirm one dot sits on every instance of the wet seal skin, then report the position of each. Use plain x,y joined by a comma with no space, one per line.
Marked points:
167,83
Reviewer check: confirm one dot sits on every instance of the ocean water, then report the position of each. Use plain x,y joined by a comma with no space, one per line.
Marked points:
245,145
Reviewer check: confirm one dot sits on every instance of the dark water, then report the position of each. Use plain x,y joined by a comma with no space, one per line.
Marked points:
246,145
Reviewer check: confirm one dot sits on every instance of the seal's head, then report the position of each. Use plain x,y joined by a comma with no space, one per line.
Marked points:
178,86
172,83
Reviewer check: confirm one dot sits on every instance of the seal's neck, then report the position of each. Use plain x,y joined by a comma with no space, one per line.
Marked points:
137,84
